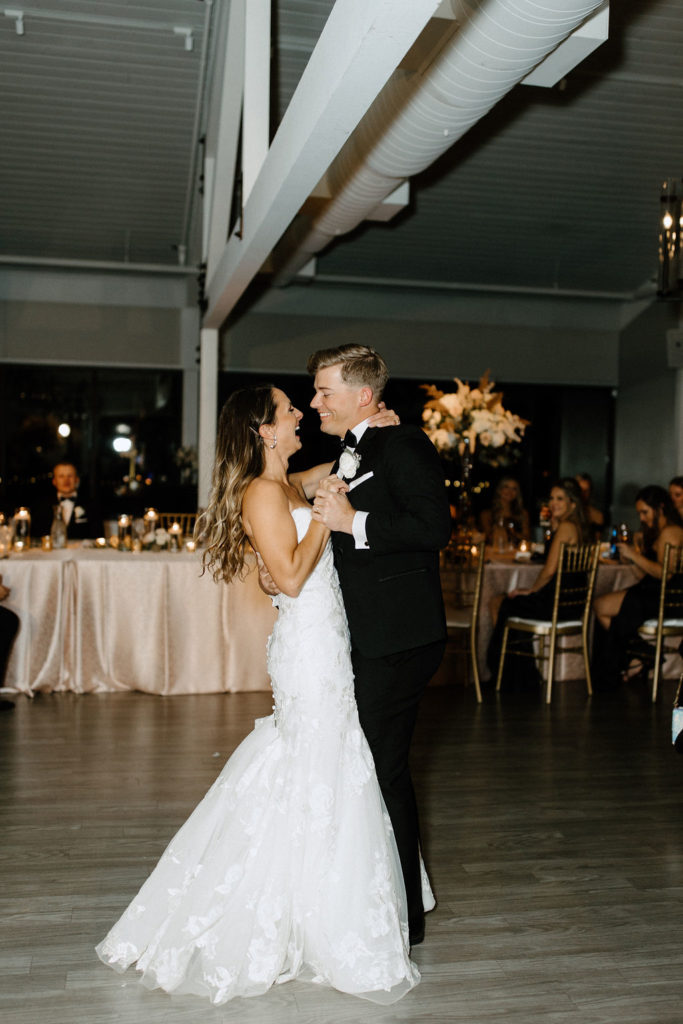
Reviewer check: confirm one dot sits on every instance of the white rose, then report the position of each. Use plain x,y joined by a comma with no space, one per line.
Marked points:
348,464
453,404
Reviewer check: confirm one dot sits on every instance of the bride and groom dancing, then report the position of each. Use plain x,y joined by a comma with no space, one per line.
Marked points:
291,867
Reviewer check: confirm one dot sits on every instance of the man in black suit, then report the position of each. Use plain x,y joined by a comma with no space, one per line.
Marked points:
387,533
82,519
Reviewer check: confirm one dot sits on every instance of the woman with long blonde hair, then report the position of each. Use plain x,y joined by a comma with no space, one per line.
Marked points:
288,868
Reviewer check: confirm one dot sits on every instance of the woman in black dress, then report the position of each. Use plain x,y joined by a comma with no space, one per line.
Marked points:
621,612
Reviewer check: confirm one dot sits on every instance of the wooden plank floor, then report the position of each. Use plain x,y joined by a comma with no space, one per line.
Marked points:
554,837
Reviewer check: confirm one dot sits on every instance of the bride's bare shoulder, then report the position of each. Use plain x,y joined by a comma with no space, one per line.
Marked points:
264,491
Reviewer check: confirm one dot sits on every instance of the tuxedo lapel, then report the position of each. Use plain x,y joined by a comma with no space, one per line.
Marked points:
367,442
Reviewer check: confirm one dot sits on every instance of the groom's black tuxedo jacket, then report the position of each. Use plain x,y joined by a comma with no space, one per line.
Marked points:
392,590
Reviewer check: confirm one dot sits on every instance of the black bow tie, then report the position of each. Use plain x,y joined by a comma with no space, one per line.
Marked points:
349,440
68,497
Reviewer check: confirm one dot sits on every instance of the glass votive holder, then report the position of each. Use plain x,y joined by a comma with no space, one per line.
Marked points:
125,524
5,540
46,542
21,525
175,537
100,542
190,545
150,520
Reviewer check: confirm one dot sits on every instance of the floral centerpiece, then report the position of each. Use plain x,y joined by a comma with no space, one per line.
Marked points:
156,540
472,419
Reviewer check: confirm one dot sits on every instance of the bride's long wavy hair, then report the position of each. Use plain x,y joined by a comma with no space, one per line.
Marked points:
240,458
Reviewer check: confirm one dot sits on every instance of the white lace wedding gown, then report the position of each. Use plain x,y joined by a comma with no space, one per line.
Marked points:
288,867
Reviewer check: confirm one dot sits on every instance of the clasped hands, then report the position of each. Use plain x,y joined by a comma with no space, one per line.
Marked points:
331,507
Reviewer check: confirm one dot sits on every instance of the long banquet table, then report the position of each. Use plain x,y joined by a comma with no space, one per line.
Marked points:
95,620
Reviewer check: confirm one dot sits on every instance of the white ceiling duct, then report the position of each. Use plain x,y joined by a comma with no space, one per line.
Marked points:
489,47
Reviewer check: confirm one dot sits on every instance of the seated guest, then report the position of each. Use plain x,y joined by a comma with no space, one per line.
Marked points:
676,494
81,517
507,518
9,624
594,515
621,612
570,527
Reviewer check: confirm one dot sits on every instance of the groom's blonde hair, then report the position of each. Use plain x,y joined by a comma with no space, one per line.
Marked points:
360,366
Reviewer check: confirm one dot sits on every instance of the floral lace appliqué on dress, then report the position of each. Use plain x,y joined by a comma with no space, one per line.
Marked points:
288,867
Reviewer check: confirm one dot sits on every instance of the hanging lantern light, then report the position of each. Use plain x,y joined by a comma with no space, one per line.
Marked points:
670,224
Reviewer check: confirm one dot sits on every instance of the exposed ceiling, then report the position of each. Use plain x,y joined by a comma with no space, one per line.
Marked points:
554,189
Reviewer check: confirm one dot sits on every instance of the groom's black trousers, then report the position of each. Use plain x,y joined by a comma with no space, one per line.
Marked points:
388,692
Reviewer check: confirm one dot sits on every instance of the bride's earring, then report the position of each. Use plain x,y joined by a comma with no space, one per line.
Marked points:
273,444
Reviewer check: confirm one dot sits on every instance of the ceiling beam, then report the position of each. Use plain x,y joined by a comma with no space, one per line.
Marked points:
360,46
223,131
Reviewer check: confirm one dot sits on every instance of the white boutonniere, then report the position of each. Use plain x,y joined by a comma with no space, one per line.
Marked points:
348,464
79,513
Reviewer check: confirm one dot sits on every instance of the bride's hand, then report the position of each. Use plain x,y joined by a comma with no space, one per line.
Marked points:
384,418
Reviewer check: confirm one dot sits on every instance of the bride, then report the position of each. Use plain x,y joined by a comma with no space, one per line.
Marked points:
288,867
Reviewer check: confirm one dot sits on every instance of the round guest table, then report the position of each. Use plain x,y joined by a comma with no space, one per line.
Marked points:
503,575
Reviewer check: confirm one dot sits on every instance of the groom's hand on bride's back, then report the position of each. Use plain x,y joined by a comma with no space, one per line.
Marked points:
265,580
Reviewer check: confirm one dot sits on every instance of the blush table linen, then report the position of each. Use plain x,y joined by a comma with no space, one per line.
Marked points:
502,577
96,620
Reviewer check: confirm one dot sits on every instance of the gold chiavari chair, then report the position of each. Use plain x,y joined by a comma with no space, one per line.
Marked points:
186,521
669,621
574,585
462,584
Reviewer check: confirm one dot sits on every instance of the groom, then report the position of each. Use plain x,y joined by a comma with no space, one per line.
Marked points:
387,532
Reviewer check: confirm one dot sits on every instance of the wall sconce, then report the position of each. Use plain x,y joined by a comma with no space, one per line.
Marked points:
670,225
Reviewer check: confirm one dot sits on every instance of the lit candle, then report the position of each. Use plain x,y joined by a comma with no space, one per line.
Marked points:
125,523
100,542
151,518
46,542
22,528
174,537
523,545
474,551
190,545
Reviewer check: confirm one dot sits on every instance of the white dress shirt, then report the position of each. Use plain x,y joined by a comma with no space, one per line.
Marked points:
67,506
358,526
